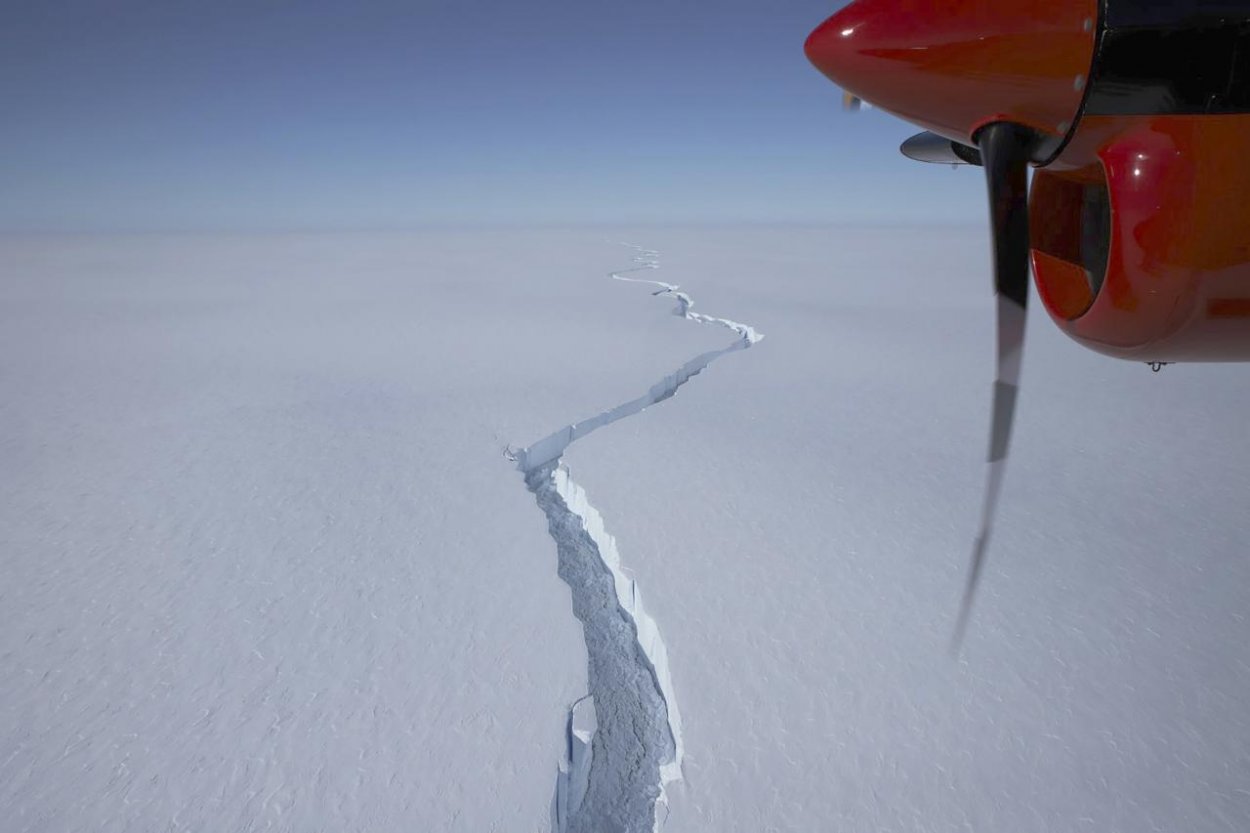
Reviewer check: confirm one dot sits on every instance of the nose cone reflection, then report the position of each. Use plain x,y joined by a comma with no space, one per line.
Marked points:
829,46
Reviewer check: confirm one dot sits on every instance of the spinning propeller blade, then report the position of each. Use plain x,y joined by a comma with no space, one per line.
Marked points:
1006,150
930,147
1007,82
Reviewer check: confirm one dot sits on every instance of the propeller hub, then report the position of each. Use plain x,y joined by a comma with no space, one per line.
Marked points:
953,66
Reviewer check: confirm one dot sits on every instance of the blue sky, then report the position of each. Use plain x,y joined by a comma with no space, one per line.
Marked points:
273,115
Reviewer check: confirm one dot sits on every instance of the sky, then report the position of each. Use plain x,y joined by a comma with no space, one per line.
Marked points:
139,115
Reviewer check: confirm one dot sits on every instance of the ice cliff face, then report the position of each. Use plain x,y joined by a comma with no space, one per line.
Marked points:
624,738
634,734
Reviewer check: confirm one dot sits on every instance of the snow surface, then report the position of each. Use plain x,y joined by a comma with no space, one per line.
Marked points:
801,518
264,563
266,566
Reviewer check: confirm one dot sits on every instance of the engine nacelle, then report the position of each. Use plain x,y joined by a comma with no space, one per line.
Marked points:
953,66
1140,237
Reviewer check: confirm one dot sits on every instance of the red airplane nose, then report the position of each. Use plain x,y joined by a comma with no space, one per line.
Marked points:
953,66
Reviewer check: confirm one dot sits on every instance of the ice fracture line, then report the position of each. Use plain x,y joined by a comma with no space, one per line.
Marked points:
623,739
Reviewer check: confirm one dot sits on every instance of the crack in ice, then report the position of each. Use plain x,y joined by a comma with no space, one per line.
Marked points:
623,739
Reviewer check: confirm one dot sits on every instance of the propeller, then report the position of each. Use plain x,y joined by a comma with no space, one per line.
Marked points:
1005,150
930,147
852,103
877,49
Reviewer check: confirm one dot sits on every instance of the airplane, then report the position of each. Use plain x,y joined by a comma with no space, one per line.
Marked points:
1135,118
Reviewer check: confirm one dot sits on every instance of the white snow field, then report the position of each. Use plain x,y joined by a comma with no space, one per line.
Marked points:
267,561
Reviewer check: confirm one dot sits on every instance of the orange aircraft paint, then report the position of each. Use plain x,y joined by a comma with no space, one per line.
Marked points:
1139,226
